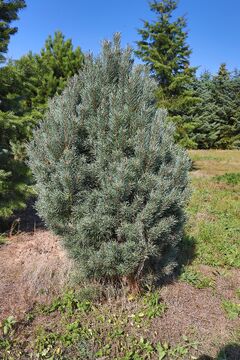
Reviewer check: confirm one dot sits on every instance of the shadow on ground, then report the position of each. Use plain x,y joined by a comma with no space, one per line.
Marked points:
194,166
187,253
25,220
228,352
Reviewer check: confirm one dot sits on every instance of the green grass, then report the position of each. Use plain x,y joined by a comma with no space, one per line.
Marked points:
232,309
229,178
3,239
214,221
196,278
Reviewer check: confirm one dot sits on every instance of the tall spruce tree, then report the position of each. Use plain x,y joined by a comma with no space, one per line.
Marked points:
226,98
235,125
204,114
110,179
164,48
8,12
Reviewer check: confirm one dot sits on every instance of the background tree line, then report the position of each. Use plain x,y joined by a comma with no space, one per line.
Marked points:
205,109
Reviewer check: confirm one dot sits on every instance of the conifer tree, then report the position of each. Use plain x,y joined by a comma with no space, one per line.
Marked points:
25,86
110,179
15,180
204,114
226,99
217,120
58,62
29,82
8,12
164,48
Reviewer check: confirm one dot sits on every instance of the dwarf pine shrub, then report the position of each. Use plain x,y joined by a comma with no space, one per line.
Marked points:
110,179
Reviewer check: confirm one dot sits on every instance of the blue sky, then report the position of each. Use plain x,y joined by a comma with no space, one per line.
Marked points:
213,25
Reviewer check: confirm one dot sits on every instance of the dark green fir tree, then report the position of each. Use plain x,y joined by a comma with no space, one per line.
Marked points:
8,12
204,114
164,48
110,179
15,180
225,96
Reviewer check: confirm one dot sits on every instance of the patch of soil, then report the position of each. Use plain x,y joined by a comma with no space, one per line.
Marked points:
198,313
33,267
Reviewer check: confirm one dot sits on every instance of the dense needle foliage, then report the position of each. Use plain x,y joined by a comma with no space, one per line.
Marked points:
111,181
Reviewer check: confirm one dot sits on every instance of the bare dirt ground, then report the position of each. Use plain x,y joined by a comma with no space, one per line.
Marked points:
198,313
33,267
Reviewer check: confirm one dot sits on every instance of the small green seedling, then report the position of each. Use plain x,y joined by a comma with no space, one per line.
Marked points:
7,325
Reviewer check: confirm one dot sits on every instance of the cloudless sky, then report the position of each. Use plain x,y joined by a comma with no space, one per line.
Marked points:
213,25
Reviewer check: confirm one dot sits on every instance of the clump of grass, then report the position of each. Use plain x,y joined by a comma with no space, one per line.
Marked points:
68,303
3,239
229,178
7,335
91,293
154,305
151,306
232,309
7,325
196,278
179,351
238,293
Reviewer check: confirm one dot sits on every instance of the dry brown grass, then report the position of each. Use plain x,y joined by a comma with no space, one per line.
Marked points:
198,313
215,162
32,268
